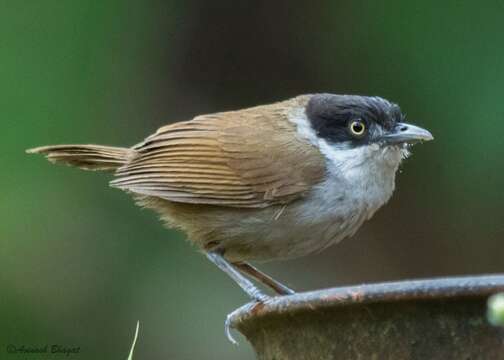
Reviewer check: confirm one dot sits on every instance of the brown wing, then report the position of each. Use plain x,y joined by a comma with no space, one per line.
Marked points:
251,158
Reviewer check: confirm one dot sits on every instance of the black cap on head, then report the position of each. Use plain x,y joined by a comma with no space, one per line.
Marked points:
331,116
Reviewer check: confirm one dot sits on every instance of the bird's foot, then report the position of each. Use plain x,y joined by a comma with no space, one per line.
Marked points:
227,330
259,298
287,291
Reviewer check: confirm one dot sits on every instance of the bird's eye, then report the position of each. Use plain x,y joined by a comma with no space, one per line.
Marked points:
357,128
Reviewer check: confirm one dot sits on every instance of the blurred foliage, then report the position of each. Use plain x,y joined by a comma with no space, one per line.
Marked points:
495,312
80,263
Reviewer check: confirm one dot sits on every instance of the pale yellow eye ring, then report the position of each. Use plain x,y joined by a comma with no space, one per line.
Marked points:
357,128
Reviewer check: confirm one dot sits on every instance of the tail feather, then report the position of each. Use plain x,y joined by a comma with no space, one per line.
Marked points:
87,157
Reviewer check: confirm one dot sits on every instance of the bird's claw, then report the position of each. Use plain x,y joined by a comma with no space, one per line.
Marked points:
259,298
227,330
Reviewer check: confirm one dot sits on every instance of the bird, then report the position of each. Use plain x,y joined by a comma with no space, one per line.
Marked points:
266,183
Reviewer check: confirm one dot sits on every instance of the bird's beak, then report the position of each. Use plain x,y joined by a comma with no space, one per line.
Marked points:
406,133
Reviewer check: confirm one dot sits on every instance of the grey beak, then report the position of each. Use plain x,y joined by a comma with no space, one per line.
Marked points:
406,133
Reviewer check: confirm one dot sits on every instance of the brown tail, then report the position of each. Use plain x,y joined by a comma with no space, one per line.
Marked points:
87,157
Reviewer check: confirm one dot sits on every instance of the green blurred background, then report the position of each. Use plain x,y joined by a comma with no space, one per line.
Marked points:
80,264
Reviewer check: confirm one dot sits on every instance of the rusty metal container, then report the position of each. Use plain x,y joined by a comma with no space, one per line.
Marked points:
423,319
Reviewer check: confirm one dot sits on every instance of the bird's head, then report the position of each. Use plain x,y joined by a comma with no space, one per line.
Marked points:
359,130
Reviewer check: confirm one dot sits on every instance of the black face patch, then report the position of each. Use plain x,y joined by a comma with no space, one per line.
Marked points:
331,116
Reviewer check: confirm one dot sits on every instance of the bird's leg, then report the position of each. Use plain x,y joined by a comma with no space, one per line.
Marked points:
278,287
242,281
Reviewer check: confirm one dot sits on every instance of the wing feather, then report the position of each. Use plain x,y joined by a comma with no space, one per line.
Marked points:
251,158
